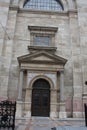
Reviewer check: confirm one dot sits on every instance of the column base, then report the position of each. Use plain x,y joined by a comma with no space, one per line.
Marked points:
62,115
62,112
27,114
19,109
77,114
53,114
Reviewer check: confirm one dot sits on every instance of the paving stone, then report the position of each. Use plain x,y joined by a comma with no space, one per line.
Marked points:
70,128
41,128
48,123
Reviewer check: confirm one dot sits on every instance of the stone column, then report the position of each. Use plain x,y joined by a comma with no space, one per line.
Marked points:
61,86
19,102
62,112
20,86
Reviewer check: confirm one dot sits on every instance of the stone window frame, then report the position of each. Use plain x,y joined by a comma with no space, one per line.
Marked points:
42,31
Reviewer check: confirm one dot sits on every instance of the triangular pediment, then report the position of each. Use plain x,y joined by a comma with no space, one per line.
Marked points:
42,57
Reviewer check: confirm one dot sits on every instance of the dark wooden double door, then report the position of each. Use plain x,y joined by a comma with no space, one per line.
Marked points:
41,98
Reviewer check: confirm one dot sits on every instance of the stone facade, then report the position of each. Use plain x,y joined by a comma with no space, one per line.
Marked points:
19,59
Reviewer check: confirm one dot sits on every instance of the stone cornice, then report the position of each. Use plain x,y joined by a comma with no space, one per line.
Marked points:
84,95
60,13
39,48
22,10
72,12
43,28
14,7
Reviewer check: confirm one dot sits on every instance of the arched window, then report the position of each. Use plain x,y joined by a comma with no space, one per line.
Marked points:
54,5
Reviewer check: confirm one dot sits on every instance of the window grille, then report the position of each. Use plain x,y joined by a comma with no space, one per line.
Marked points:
54,5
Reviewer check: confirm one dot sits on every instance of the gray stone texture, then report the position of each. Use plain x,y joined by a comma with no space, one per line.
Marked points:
70,40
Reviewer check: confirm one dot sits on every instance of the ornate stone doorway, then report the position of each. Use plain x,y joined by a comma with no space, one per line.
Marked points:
41,98
41,88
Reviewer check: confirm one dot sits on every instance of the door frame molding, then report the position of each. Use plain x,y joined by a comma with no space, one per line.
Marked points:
51,88
41,77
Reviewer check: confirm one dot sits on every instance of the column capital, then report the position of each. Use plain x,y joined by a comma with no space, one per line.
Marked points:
21,70
61,71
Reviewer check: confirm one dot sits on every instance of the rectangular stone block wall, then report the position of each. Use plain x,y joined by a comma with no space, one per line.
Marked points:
4,9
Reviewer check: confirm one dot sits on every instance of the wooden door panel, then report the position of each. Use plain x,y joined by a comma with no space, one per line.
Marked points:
41,98
45,102
40,103
36,103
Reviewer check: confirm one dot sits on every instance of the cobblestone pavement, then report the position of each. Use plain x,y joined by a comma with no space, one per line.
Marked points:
41,123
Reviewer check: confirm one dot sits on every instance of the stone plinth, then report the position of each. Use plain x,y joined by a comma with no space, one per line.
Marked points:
19,109
62,112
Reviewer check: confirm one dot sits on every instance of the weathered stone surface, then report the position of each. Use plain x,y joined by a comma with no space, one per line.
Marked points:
71,43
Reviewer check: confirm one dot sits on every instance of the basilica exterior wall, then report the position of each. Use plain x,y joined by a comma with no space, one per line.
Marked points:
70,41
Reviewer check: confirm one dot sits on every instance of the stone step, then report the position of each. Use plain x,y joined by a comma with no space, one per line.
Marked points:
69,128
